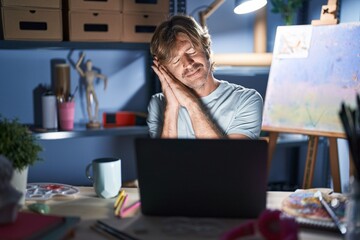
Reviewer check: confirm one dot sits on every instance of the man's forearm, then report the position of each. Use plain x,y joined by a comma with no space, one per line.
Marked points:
170,123
203,126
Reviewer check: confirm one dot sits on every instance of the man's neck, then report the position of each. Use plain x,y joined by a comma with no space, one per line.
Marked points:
210,86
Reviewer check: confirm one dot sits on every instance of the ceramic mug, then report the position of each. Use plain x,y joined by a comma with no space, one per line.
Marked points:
106,176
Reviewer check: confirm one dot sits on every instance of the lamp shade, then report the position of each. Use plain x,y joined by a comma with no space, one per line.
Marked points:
247,6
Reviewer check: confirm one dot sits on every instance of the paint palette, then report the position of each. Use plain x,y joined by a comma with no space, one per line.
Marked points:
45,191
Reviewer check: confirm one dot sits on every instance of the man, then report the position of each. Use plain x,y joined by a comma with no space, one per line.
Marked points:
193,104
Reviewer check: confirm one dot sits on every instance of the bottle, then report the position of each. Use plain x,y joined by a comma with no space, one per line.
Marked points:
49,111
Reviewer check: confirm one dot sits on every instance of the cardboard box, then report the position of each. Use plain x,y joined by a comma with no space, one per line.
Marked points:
95,26
146,6
32,3
105,5
32,24
139,27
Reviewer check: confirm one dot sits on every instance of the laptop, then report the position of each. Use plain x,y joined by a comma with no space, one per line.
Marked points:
202,177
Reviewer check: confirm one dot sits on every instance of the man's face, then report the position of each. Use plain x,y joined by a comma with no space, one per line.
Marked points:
189,64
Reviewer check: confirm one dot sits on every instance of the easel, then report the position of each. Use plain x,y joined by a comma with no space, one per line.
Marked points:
328,16
311,153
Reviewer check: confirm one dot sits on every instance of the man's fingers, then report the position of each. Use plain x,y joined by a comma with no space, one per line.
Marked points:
160,75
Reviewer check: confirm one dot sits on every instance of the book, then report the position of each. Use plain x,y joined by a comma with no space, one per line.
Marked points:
28,226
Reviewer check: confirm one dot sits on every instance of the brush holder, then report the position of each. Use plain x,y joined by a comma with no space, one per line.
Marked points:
352,213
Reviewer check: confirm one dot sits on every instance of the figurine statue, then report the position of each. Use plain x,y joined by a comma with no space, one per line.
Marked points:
90,76
9,196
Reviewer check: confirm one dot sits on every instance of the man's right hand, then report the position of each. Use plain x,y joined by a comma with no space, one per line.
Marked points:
171,100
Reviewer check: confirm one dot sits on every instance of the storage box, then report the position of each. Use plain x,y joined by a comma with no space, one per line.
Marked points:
119,119
32,3
106,5
146,6
139,27
95,26
32,24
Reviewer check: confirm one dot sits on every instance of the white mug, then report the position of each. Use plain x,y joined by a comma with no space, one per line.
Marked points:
106,176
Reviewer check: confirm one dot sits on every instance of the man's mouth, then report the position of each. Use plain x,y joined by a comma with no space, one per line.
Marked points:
192,73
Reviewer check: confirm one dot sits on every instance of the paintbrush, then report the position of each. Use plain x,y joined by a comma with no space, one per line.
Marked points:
351,124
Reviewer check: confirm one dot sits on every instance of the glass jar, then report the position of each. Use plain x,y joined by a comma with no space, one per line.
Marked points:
352,213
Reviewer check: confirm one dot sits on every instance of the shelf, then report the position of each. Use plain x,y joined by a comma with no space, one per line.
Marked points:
12,44
242,70
82,131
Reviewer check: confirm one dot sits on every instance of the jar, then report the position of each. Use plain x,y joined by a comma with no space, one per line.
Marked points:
352,212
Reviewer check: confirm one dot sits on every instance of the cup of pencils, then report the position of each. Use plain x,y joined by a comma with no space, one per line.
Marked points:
350,118
66,107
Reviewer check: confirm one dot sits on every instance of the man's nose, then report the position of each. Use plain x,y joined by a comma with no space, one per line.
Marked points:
187,61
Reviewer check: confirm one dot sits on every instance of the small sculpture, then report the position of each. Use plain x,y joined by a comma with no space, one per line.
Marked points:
9,196
90,76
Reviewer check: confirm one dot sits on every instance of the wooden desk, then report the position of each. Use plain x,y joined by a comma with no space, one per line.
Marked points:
91,208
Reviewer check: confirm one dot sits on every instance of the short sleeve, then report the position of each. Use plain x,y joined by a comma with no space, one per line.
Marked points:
248,116
155,115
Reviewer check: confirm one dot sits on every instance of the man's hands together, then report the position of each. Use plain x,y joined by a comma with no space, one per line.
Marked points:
176,93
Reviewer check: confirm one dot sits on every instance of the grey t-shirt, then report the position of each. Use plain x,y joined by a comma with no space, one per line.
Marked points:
233,108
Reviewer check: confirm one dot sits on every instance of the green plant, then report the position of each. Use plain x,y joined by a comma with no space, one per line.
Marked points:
286,8
18,144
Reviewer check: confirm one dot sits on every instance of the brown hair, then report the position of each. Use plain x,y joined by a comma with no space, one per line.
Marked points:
164,38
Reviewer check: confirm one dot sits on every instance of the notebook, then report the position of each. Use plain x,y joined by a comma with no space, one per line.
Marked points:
202,177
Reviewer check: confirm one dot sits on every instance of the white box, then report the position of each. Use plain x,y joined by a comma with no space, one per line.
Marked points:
139,27
95,26
32,3
146,6
106,5
32,24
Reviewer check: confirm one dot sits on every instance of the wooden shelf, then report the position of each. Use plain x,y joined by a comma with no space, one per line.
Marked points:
82,131
12,44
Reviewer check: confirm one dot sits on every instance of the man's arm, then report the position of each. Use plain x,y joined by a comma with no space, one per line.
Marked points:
171,112
170,122
202,124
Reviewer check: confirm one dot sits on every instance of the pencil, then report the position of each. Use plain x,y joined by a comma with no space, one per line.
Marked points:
120,204
101,231
113,231
125,211
121,194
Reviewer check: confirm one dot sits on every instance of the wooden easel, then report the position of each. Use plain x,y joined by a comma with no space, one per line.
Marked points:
328,14
311,154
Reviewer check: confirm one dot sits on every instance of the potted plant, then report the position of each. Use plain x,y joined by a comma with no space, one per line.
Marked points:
19,146
287,9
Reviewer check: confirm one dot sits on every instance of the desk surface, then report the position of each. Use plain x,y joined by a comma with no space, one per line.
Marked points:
91,208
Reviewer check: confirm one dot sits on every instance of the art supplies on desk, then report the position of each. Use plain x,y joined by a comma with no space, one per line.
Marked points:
350,119
45,191
305,206
120,203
